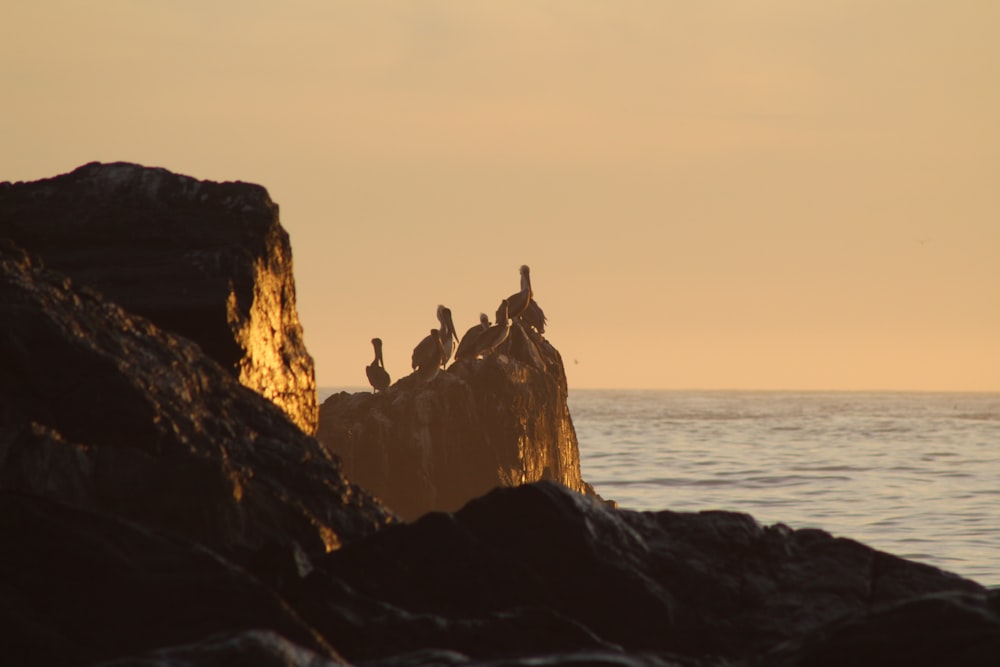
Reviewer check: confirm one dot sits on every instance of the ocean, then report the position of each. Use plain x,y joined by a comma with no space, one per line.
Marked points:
914,474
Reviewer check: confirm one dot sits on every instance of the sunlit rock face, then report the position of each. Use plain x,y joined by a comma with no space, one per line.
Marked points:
209,261
103,410
434,445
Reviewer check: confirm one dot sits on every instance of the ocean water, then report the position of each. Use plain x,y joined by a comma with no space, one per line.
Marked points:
914,474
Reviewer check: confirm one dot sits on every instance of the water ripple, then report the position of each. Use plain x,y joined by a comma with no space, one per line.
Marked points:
911,474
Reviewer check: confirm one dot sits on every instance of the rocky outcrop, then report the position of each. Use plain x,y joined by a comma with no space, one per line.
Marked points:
103,410
434,445
540,570
209,261
79,586
154,511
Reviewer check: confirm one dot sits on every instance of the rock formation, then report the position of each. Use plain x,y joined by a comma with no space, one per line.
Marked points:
435,445
103,410
79,586
154,511
209,261
538,570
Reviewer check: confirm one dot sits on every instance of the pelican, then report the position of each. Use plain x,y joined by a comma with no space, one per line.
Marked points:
447,332
429,353
467,346
493,337
517,302
533,316
377,375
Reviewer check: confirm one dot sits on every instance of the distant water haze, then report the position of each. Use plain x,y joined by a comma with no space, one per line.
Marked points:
777,195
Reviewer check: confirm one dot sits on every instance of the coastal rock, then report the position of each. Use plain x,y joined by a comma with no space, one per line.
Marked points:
78,587
103,410
539,570
435,444
958,629
209,261
154,511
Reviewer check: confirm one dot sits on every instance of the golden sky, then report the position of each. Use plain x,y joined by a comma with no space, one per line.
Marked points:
779,194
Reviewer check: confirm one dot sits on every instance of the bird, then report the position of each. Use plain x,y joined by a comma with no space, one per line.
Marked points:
429,353
533,316
447,332
493,337
523,306
377,375
517,302
467,346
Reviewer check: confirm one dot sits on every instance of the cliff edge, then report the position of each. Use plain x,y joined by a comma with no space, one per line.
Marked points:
209,261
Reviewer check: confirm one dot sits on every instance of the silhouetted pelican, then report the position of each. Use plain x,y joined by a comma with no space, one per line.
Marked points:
493,337
533,316
377,375
429,353
517,302
467,346
448,335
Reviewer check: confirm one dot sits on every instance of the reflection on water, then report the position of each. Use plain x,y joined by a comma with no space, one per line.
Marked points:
914,474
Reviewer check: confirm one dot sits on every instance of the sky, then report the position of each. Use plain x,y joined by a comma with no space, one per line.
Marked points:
774,194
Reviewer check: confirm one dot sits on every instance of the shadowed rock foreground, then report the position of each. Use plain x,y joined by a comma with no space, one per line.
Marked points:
155,512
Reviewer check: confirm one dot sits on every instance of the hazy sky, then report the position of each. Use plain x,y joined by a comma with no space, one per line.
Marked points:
775,194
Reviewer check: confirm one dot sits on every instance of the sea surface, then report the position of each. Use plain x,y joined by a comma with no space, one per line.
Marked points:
914,474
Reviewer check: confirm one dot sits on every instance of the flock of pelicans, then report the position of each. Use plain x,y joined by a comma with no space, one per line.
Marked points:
435,351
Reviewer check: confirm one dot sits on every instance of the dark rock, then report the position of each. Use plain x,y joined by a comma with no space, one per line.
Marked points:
958,629
103,410
78,586
435,445
209,261
543,568
256,648
154,511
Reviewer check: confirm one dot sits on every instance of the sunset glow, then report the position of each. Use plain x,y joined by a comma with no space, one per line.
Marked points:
777,195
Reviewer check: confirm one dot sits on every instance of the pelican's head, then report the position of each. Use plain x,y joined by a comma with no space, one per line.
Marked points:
377,343
484,320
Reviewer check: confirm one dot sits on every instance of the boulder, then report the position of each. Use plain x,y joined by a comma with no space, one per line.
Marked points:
541,570
435,444
103,410
954,628
79,586
209,261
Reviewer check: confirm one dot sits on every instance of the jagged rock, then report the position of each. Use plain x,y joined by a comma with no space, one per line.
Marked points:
434,445
154,511
536,569
103,410
209,261
78,586
954,628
